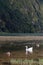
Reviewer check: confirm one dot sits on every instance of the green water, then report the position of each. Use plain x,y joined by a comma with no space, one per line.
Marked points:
21,34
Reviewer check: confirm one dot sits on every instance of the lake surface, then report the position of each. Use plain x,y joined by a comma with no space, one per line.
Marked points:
21,34
20,56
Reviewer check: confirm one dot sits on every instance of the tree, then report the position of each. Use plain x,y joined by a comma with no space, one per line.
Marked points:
21,16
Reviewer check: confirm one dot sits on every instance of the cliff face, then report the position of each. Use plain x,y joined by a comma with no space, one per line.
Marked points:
21,16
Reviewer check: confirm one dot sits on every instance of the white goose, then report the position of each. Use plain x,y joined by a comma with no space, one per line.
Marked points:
8,54
37,45
30,50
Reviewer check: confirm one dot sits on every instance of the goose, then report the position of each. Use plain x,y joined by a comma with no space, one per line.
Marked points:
8,54
37,45
30,50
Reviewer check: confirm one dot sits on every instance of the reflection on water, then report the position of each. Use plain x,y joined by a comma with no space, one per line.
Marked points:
20,58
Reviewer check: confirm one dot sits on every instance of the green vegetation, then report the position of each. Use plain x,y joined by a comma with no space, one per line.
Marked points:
20,16
42,15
